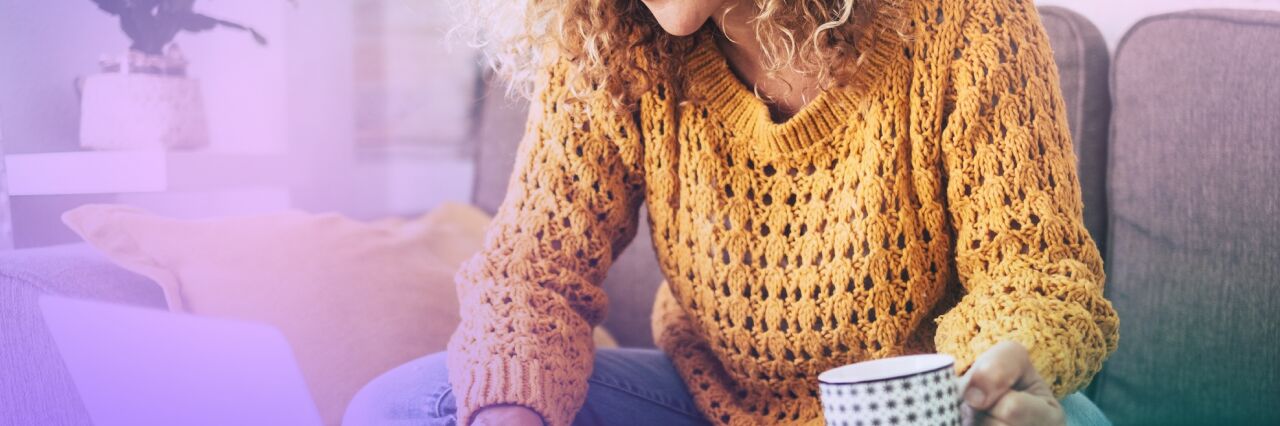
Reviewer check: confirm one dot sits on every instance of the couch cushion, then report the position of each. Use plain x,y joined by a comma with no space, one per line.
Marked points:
1195,221
35,388
633,280
1083,67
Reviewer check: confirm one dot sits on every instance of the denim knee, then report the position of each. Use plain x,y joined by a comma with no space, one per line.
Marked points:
416,393
1082,412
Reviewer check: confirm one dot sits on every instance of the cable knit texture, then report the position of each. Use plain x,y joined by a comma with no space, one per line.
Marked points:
933,205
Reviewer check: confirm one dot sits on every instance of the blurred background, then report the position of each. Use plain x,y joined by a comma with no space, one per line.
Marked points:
359,107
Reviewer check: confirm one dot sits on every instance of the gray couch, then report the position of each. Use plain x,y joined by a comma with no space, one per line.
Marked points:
1178,183
1194,242
35,388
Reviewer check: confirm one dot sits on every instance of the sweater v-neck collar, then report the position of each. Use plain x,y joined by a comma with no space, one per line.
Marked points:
740,108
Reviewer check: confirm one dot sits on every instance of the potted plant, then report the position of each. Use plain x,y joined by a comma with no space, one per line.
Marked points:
144,99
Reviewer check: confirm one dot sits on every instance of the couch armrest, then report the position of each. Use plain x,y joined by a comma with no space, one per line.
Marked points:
35,387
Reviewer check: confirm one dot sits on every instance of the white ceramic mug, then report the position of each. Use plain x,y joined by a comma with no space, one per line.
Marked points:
898,391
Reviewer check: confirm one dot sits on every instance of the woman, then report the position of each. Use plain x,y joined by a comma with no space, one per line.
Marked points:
828,181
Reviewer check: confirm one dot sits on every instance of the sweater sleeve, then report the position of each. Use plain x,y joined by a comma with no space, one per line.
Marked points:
530,298
1031,271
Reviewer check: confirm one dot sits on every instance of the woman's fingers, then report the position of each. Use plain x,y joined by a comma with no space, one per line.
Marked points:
1000,369
1022,408
1004,388
987,420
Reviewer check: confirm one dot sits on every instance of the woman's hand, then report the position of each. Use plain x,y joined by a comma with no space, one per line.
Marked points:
503,415
1004,389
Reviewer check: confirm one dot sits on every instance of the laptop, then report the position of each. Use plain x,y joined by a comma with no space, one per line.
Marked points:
141,367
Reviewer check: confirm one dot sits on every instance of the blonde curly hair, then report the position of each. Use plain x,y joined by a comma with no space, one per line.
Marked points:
618,46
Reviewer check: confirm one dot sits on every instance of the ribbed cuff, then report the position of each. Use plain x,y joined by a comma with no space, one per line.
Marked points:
1065,344
515,382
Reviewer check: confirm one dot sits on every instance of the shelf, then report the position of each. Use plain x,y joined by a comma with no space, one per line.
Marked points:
116,172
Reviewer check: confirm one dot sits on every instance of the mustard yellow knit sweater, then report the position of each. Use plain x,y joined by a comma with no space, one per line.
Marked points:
932,206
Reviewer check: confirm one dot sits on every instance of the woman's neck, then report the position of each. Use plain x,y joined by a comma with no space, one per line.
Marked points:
787,91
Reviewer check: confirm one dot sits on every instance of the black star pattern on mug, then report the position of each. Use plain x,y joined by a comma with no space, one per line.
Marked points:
926,399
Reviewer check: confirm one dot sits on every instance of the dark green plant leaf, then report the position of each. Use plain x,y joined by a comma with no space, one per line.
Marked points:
152,24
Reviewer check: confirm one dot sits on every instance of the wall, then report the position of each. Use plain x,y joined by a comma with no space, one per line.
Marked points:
44,46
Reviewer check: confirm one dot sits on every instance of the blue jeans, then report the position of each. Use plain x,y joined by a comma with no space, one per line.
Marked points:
627,387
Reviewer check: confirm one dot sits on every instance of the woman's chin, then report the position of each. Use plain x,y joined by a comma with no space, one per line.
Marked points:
677,19
681,28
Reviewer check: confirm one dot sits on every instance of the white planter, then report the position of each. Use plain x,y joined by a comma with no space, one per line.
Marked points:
141,112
